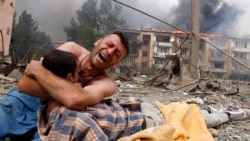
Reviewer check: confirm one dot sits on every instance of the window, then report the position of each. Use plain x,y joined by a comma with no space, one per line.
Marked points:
187,41
145,54
219,42
240,44
163,38
159,61
218,65
128,59
111,70
240,55
146,39
215,53
238,67
184,51
8,31
131,60
144,64
202,44
145,42
163,50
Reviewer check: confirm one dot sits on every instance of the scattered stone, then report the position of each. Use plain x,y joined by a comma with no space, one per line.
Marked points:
227,107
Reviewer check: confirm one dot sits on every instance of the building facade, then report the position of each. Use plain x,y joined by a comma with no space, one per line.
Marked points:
7,9
149,48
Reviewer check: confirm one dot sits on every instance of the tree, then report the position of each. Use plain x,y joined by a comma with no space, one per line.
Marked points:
26,39
93,20
108,19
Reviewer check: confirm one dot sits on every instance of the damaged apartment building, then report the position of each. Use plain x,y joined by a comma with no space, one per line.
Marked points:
148,48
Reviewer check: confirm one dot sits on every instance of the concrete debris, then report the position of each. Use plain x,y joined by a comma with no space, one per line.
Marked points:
224,104
214,132
214,119
6,83
196,100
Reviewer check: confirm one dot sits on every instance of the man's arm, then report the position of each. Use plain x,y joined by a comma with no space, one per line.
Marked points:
68,94
32,87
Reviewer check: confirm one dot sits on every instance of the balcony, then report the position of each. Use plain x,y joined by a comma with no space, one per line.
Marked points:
218,70
245,61
240,49
162,44
218,59
160,55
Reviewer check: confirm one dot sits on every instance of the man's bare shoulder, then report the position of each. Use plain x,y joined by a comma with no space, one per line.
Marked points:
73,47
104,84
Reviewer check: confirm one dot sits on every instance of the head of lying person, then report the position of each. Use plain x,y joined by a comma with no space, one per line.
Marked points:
63,64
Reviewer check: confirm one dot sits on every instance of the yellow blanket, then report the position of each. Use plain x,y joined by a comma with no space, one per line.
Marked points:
183,122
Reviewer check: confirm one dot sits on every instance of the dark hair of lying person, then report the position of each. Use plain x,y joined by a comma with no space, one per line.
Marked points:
60,62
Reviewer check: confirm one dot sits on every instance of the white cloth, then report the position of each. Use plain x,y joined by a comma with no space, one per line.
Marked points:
153,116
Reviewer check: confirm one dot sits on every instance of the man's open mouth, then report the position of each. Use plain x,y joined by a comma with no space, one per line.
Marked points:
102,57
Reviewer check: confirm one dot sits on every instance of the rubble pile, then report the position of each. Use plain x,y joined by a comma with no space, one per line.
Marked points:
5,84
226,103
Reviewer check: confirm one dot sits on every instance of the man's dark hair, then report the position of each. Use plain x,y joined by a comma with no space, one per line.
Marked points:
123,38
61,63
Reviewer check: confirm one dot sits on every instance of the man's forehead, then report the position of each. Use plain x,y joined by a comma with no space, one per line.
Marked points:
115,39
112,36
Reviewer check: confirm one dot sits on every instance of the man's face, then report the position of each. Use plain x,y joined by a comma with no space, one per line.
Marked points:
107,52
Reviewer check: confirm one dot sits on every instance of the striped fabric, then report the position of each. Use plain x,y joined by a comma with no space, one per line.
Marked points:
101,122
115,120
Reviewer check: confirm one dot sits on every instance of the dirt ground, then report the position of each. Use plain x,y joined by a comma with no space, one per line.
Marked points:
223,95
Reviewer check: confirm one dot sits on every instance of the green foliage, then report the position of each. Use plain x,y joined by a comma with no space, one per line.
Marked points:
26,40
24,29
151,71
94,19
108,19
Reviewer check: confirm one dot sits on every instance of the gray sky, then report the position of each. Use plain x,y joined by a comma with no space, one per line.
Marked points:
52,15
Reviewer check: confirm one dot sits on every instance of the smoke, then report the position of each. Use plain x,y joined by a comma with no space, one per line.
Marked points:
157,8
52,15
217,16
241,24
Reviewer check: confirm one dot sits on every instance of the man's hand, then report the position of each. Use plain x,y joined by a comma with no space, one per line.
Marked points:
29,84
33,68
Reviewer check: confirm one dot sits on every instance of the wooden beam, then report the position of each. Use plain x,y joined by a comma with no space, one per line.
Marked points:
194,53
